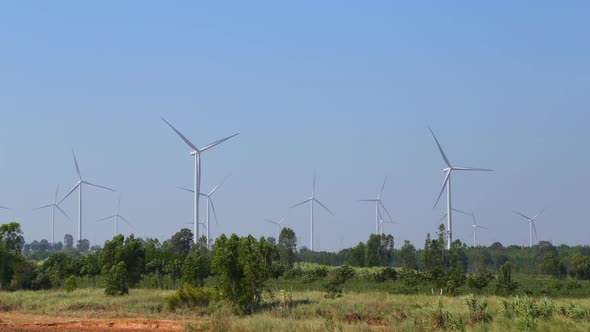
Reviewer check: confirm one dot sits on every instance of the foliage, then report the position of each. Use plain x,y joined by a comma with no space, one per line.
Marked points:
505,283
70,284
196,267
385,274
478,312
379,250
479,280
407,255
189,297
181,242
287,247
117,283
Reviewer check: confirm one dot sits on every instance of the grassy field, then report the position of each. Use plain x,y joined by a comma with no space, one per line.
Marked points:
310,311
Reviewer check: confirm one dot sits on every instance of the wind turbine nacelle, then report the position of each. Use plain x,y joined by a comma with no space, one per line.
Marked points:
193,153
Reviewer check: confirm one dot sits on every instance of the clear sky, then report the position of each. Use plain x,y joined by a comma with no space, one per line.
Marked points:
347,88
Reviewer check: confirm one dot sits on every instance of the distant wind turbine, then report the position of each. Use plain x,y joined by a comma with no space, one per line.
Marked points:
78,186
532,227
53,206
311,201
117,216
209,196
447,185
196,152
475,226
378,206
381,222
279,225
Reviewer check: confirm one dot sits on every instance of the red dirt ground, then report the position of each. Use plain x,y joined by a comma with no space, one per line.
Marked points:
29,322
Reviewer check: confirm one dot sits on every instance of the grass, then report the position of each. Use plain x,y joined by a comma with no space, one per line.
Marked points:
310,311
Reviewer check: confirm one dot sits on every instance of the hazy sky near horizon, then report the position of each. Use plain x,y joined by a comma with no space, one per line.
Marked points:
346,88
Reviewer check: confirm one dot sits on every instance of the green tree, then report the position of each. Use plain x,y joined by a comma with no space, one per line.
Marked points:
181,242
505,283
83,245
117,280
407,255
69,241
196,267
287,247
580,266
355,256
379,250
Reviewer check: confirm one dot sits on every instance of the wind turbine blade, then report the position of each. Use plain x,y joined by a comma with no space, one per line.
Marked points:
385,209
322,205
189,190
443,188
440,149
107,218
126,221
63,212
305,201
538,214
382,188
214,144
189,143
535,231
460,168
443,217
56,194
219,185
214,213
462,212
272,222
482,227
70,192
314,177
4,207
98,186
368,200
41,207
77,168
522,215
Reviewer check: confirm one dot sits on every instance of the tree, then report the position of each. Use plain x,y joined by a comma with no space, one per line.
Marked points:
11,243
287,247
83,245
117,280
181,242
355,256
68,241
580,266
407,254
505,282
379,250
196,267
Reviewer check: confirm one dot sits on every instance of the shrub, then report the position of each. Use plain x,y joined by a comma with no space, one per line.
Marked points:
70,284
477,312
189,297
505,282
388,273
479,280
117,280
313,273
344,273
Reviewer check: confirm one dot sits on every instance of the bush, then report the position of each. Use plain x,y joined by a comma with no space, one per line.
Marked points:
70,284
117,280
388,273
477,312
344,273
505,283
189,297
479,280
313,273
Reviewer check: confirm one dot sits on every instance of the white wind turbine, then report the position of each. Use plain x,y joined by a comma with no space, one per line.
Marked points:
209,196
311,201
381,222
78,186
117,216
475,226
378,206
447,185
532,227
53,206
279,225
196,152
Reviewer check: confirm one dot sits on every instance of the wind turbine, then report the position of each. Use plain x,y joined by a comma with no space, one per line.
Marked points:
447,184
475,226
378,205
78,186
311,201
532,226
381,222
117,216
196,152
279,225
53,206
209,196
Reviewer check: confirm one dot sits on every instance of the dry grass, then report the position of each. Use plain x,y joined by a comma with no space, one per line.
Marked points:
302,311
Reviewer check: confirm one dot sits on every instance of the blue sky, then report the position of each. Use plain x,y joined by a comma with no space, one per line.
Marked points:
346,88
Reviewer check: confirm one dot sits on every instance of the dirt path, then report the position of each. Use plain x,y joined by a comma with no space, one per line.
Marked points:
29,322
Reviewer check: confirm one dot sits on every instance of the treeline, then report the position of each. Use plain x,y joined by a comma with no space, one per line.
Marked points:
134,262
